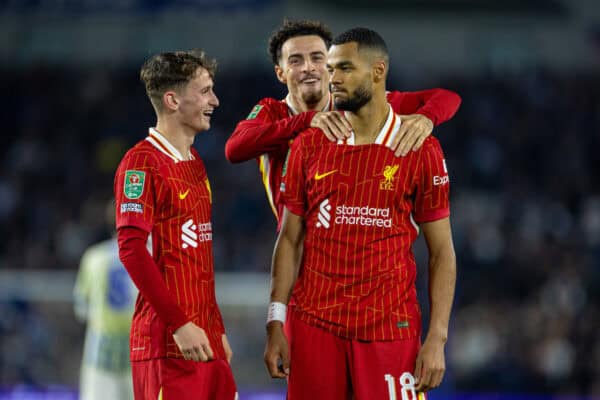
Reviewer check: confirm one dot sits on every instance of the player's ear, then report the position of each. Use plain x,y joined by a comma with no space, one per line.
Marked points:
379,70
280,74
170,100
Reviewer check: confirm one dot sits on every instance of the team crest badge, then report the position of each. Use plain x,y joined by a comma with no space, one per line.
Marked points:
134,184
254,111
389,173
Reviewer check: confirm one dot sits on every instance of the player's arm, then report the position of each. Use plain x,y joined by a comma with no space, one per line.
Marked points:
262,132
419,112
431,365
284,271
144,272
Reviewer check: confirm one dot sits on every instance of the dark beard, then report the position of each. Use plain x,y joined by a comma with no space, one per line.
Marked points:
313,97
359,98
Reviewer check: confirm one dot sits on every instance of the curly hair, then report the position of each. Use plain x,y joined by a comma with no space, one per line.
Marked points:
290,29
172,70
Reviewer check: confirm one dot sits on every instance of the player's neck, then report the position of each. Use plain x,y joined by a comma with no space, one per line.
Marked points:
369,120
177,135
300,105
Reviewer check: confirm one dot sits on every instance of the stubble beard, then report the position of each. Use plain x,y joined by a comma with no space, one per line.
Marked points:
361,96
312,97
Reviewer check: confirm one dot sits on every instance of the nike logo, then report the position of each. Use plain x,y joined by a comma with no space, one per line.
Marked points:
183,195
321,176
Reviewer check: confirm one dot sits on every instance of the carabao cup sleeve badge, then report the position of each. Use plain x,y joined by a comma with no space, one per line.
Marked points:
133,186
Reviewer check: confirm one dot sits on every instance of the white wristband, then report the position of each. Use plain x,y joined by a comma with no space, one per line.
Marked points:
277,312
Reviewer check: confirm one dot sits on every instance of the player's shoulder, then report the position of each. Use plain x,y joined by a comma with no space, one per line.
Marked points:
394,96
272,104
431,141
269,108
143,155
431,145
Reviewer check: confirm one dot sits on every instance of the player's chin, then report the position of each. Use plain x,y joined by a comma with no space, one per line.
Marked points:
203,124
312,96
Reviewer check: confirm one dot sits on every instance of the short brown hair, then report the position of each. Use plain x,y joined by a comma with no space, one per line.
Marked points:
291,29
173,70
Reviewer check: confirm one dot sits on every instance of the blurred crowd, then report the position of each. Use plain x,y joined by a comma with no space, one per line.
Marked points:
522,153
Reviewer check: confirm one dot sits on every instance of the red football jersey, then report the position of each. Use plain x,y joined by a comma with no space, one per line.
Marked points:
160,193
272,125
361,206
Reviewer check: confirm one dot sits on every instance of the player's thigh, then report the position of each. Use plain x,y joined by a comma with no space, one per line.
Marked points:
318,364
190,380
384,370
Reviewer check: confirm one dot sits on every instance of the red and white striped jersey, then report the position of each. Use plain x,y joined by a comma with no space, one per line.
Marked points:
361,206
272,125
161,193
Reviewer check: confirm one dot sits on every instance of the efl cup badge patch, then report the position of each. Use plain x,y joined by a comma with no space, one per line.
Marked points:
134,184
254,112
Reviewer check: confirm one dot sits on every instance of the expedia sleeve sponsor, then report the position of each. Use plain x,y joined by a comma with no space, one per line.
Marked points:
432,192
442,179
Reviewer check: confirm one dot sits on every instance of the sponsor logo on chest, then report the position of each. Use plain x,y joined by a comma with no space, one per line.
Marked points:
192,234
353,215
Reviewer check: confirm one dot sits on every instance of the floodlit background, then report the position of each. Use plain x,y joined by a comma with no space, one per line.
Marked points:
522,153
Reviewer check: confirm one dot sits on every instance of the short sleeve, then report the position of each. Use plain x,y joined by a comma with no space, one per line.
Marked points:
433,184
136,188
293,178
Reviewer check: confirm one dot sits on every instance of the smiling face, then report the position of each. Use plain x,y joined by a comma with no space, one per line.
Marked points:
351,77
197,101
302,68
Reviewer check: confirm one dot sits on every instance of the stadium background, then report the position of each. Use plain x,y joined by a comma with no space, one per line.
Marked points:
522,153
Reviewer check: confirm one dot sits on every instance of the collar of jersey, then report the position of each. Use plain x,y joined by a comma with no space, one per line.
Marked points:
163,145
293,111
386,135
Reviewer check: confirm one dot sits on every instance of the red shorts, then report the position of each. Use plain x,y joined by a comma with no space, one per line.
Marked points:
324,366
179,379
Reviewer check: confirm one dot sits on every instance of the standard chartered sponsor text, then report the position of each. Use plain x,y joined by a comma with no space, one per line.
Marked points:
364,216
205,232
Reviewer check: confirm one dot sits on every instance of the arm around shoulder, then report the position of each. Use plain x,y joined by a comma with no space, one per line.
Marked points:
266,129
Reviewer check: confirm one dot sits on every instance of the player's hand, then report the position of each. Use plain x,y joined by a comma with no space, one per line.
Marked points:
276,356
414,129
430,365
333,124
227,348
193,342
